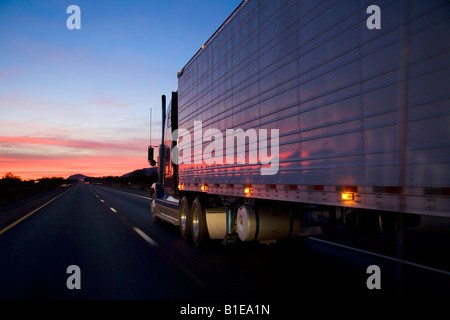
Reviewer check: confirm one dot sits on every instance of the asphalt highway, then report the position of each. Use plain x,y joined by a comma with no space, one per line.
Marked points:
122,254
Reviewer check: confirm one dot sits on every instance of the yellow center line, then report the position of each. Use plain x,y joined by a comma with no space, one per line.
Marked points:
29,214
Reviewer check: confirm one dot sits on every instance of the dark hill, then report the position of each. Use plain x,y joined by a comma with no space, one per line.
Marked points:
78,176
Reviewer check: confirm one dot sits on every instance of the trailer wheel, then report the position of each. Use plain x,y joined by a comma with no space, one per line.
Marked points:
350,219
388,222
185,218
198,223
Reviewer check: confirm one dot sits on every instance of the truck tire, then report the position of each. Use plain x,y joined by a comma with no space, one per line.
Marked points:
350,219
153,207
388,222
198,223
185,218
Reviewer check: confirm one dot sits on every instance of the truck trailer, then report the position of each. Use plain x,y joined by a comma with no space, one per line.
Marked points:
295,110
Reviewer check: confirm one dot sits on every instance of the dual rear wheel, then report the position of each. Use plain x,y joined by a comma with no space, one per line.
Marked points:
359,220
193,220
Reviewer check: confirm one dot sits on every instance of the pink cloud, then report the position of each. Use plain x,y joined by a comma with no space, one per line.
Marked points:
133,145
109,102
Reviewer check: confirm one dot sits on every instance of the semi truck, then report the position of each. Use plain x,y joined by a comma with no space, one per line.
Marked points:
295,113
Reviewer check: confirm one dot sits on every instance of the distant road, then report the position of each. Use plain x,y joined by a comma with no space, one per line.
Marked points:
122,254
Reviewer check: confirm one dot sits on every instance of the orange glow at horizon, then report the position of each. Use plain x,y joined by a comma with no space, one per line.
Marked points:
37,157
28,169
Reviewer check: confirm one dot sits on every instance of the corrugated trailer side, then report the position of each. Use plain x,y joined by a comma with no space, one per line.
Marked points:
363,114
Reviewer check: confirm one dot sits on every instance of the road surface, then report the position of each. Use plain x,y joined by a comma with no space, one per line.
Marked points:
122,254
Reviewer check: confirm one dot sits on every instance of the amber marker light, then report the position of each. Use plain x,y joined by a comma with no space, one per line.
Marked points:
347,196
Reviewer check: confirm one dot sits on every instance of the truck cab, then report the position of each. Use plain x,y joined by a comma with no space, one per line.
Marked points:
165,196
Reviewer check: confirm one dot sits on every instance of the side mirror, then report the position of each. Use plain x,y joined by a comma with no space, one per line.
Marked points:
151,160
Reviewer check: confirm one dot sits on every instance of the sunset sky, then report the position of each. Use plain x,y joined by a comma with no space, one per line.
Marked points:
77,101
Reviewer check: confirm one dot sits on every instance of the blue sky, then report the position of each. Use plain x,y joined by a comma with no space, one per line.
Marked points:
77,101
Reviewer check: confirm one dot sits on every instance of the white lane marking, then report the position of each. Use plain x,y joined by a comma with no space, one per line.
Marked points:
383,256
130,194
194,277
145,237
102,200
113,210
